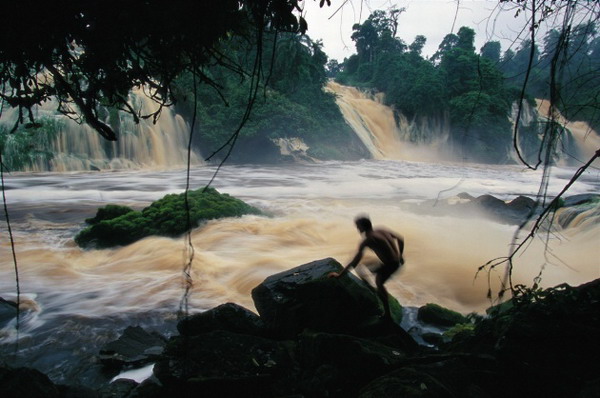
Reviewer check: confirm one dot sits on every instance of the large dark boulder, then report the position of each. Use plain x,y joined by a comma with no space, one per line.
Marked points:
442,376
135,347
521,204
230,316
26,382
513,212
340,364
223,363
305,298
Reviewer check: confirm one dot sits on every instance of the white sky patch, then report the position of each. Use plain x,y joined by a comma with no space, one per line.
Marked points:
433,19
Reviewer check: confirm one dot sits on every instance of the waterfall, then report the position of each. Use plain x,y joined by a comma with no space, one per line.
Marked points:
390,135
579,141
385,137
585,140
61,144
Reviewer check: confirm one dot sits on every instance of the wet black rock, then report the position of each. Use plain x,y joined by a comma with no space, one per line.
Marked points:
8,311
305,298
512,212
26,382
223,363
230,316
135,347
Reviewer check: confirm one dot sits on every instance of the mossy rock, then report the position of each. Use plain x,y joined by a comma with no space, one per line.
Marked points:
437,315
119,225
305,297
108,212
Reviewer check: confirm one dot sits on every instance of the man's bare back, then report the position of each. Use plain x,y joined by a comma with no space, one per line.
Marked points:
386,245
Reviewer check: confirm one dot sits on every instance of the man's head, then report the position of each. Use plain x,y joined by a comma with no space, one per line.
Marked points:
363,223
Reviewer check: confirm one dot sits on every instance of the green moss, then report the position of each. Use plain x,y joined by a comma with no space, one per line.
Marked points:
119,225
463,329
438,315
108,212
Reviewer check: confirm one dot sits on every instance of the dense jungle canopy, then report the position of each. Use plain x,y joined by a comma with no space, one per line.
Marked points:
476,89
89,53
216,58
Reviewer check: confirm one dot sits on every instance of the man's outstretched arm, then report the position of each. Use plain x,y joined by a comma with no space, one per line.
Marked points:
351,264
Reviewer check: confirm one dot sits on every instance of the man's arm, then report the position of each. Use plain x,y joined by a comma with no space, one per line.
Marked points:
400,243
351,264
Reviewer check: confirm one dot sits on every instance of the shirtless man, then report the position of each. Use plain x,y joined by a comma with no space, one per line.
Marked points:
388,246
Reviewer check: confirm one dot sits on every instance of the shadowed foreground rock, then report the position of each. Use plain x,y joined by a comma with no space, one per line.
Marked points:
305,298
321,337
135,347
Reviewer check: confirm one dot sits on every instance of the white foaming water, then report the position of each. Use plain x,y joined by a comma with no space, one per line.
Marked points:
149,144
313,207
85,298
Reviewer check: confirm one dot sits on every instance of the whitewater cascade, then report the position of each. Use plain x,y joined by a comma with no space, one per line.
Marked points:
586,140
387,135
578,141
78,147
390,135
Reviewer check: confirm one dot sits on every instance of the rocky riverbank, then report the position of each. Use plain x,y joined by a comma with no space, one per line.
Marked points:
319,337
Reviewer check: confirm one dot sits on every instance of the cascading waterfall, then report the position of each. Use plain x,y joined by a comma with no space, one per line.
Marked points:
372,121
384,136
585,140
389,135
70,146
578,140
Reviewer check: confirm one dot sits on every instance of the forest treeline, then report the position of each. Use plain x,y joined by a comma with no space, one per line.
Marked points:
475,90
291,102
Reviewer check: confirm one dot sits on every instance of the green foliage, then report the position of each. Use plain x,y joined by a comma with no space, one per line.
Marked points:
462,329
438,315
559,303
29,145
108,212
294,103
89,54
455,82
491,50
119,225
573,57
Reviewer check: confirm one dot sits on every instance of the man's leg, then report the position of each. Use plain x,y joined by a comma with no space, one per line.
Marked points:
383,294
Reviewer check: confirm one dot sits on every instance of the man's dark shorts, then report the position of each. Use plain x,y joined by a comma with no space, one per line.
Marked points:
386,270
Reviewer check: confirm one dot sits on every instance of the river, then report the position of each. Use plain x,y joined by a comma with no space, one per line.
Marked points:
81,299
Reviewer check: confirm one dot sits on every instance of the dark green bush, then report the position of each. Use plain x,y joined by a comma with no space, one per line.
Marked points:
108,212
116,225
437,315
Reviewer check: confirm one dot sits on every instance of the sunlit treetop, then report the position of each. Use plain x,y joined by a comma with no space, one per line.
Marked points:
87,53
